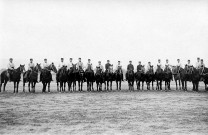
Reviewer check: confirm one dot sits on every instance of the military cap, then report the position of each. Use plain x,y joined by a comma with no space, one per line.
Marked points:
10,59
45,59
70,58
119,61
62,58
31,59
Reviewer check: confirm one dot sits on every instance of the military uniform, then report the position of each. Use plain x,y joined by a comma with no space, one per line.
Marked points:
89,66
107,65
139,68
70,65
30,66
198,65
79,64
101,67
130,67
61,65
45,65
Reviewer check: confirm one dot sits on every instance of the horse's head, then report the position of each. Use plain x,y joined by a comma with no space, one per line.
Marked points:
37,67
22,68
52,67
151,70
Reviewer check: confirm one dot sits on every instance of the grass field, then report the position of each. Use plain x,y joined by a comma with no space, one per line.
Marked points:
116,112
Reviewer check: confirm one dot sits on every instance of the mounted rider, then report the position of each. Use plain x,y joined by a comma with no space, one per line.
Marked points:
89,65
149,67
198,63
70,65
31,65
107,65
79,65
139,67
119,66
45,65
10,69
159,64
61,65
178,65
130,67
99,66
167,64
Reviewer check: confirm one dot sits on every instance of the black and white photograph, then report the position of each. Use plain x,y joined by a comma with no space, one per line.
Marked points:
104,67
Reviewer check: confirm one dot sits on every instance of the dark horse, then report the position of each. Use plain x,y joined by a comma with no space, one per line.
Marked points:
176,75
61,77
130,78
118,78
195,78
99,78
46,76
80,78
150,77
16,77
31,78
184,76
204,76
159,76
167,77
140,77
89,74
109,78
71,78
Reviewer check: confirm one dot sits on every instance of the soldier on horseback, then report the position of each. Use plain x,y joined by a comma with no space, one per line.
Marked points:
148,66
61,64
119,67
107,65
10,70
198,63
99,66
130,67
179,65
159,64
89,65
44,66
31,65
139,67
79,64
70,65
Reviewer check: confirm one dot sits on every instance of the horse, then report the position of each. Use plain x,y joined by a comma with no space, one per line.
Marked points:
61,77
130,78
99,78
71,78
159,76
140,77
195,78
89,74
46,76
16,78
80,78
109,78
167,77
118,78
184,75
31,78
204,76
150,77
176,75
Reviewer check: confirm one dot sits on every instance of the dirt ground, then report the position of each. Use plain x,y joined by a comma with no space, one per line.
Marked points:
123,112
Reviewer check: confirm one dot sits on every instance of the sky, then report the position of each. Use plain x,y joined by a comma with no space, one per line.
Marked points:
137,30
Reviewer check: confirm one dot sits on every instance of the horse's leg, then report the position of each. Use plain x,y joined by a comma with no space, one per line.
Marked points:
111,85
5,85
119,85
1,85
142,85
152,85
180,83
160,84
49,87
17,87
14,86
29,86
116,85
